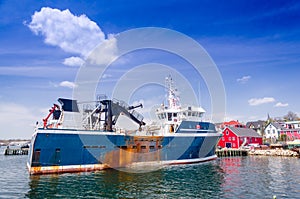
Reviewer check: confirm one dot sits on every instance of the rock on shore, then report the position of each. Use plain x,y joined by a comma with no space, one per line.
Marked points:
274,152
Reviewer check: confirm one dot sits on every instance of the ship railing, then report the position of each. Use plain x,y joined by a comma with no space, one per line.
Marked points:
121,103
71,120
90,119
101,97
87,108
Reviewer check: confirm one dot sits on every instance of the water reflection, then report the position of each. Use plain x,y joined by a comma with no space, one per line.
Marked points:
201,181
236,177
260,177
230,167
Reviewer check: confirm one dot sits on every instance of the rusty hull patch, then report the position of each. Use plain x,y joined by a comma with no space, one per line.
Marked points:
136,149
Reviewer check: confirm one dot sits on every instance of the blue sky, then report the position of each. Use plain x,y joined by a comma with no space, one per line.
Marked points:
255,45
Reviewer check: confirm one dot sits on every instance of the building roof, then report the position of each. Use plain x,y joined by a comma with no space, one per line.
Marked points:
292,122
277,125
232,123
244,132
256,124
296,129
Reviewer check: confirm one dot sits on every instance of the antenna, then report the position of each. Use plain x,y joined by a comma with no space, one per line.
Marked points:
173,99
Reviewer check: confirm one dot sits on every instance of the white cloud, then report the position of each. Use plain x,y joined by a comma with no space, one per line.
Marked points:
259,101
73,61
68,84
75,34
244,79
279,104
21,118
105,53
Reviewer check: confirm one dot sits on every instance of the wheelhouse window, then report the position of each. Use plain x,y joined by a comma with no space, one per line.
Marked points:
161,116
169,116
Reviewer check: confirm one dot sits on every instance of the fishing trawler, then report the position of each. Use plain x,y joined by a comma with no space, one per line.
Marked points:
96,142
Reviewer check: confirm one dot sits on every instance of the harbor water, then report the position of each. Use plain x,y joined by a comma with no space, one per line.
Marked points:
233,177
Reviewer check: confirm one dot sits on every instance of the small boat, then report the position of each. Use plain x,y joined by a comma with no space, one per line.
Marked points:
91,140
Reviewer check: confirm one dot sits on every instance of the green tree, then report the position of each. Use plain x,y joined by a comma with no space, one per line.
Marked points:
283,137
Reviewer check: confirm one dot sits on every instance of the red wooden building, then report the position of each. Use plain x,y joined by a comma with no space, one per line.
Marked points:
235,137
231,123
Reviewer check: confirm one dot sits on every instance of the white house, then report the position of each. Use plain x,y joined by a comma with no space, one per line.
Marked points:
272,130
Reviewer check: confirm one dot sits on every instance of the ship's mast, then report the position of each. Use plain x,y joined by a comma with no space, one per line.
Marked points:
173,99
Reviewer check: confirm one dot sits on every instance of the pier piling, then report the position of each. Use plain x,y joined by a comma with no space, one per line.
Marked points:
231,152
10,151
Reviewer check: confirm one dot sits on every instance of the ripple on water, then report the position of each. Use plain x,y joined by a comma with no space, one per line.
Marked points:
238,177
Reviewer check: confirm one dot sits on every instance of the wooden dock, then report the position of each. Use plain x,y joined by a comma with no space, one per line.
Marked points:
18,151
231,152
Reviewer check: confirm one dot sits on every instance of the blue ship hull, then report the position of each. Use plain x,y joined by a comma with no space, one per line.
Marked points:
63,150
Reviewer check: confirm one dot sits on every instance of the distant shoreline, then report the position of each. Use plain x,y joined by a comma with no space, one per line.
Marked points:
12,141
